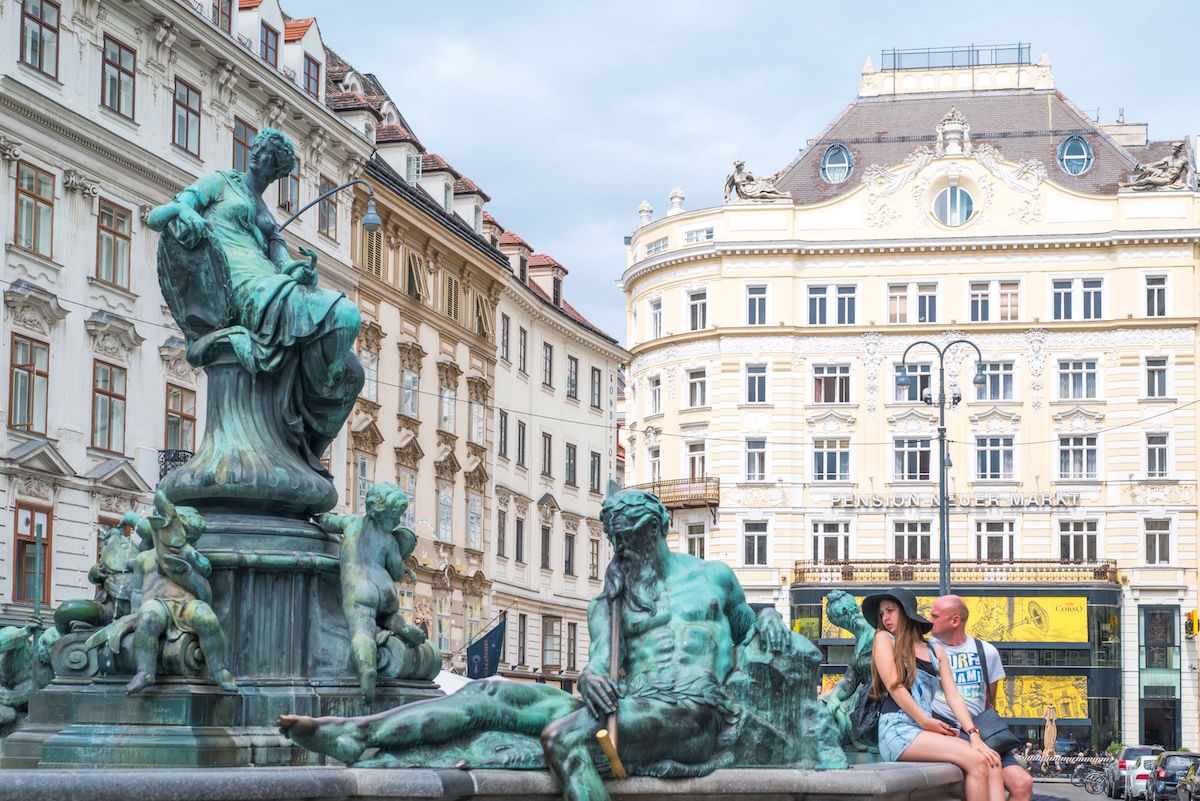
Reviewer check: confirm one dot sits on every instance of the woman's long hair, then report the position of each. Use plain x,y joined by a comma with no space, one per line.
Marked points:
905,655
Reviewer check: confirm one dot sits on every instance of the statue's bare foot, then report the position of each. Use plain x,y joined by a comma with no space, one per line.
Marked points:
343,739
139,682
224,680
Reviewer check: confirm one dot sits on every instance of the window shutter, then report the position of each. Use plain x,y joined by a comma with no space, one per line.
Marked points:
483,317
418,284
452,297
373,254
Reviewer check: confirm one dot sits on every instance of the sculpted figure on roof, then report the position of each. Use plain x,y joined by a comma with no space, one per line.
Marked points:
750,187
1170,172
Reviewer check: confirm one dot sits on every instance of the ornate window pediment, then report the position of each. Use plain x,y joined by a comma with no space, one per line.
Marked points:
1077,418
173,352
410,454
366,437
112,335
448,374
370,335
913,420
447,467
477,478
831,422
411,354
37,456
32,307
477,388
996,420
118,475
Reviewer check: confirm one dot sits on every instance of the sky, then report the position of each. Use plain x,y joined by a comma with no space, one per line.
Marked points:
570,114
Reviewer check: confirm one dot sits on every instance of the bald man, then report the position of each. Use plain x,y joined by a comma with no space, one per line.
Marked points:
949,618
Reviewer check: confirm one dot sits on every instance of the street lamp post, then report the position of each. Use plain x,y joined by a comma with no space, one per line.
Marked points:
979,381
371,221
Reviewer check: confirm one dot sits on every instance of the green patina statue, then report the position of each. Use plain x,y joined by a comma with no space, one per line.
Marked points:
842,610
176,600
677,698
21,669
278,350
113,573
374,547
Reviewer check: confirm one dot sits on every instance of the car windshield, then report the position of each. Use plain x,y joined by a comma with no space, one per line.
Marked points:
1138,753
1178,762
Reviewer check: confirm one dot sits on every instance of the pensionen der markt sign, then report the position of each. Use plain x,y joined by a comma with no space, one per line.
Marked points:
890,500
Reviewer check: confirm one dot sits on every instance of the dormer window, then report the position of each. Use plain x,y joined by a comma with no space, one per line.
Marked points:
557,290
412,167
268,45
1074,155
836,163
312,76
523,269
222,15
448,197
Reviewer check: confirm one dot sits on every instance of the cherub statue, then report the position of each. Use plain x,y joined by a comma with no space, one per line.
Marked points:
176,597
750,187
842,610
113,574
1170,172
374,547
18,673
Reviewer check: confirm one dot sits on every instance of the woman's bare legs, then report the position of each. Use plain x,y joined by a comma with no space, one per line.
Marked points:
982,783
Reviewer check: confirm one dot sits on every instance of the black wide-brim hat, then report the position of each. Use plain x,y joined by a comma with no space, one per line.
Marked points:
902,596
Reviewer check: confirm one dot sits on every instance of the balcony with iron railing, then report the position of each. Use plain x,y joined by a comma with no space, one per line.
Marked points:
686,493
168,460
1019,571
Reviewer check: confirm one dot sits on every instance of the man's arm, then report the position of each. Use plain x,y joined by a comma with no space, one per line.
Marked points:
739,613
597,691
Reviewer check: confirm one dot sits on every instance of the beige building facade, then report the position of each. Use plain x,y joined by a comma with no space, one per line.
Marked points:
767,337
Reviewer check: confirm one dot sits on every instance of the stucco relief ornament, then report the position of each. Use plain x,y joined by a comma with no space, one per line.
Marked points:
1035,355
748,186
871,350
882,182
953,135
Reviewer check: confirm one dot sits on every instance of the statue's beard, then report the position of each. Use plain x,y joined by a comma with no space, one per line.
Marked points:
634,574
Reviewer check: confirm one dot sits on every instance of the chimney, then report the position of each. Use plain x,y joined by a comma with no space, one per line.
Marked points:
677,197
645,211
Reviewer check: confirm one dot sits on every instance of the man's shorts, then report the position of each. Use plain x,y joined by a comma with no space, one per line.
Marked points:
1006,760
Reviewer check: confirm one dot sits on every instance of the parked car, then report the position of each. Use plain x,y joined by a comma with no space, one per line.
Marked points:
1189,786
1137,777
1125,759
1168,769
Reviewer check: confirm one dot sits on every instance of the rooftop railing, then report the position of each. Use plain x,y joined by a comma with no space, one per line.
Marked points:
955,57
1028,571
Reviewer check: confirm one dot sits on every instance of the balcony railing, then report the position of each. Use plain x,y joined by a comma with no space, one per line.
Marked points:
883,571
687,493
168,460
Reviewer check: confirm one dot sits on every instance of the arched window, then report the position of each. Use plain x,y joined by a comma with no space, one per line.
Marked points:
836,163
1074,155
953,206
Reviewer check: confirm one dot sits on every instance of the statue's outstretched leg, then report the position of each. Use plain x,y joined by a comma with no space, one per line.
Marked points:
566,743
361,621
411,635
212,642
152,621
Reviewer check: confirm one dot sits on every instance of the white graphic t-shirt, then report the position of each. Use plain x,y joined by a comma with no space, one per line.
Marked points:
968,675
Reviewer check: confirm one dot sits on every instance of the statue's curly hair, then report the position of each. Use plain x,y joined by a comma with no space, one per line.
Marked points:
640,506
387,494
279,147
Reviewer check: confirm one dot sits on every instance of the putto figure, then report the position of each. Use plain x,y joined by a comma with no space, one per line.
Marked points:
243,302
113,573
374,547
842,610
176,598
748,186
18,669
681,620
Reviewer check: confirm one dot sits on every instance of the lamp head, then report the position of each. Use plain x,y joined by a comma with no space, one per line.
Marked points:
902,380
980,380
371,221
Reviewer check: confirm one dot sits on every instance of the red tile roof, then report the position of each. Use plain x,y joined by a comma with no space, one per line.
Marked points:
348,101
249,3
390,134
490,220
509,238
294,30
542,260
570,311
432,162
465,186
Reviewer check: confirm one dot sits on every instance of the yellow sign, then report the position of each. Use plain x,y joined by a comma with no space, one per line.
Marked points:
1028,696
1009,619
830,679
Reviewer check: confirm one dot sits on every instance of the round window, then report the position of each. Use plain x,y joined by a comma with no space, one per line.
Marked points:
836,163
953,206
1074,155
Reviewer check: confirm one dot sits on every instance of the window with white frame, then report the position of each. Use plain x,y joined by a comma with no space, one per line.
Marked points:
831,383
756,459
521,439
1156,296
654,396
473,621
443,623
847,314
1008,297
551,641
501,531
995,540
446,416
897,303
1156,455
756,383
1156,376
406,604
754,542
920,381
926,303
407,479
1077,379
697,236
570,465
1077,298
654,461
475,521
695,458
831,459
477,429
1077,457
410,383
995,301
697,387
912,540
912,459
502,434
756,305
1077,540
818,305
572,377
364,479
547,454
695,540
547,364
1157,535
831,541
595,388
445,517
981,295
656,247
999,381
994,458
656,318
698,309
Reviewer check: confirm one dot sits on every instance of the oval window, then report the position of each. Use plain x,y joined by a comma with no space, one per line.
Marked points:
836,164
1074,155
953,206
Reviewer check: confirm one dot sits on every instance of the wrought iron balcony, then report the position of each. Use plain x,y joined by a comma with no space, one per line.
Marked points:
687,493
170,459
1025,571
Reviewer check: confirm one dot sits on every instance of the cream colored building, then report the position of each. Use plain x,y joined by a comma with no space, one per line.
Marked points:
763,402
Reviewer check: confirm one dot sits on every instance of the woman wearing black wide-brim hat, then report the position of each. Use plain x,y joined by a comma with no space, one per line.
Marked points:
906,672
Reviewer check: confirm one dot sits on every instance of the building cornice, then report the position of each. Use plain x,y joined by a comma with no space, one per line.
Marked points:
797,247
541,311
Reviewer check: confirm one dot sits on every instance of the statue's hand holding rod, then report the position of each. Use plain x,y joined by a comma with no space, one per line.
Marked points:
598,693
304,270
